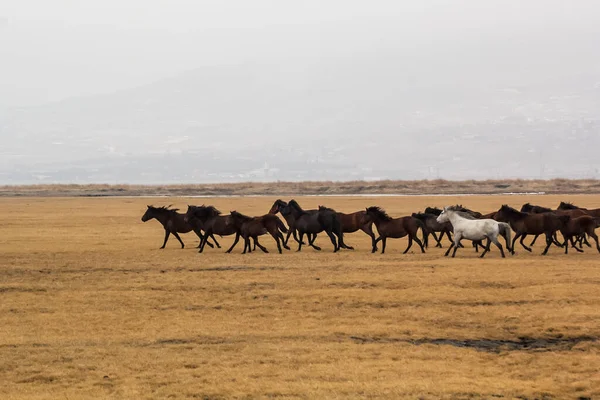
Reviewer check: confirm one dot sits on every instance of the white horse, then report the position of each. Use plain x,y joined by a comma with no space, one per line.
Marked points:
473,229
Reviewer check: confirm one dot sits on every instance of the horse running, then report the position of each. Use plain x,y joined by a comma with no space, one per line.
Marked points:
173,222
212,222
252,227
306,222
472,229
395,228
531,224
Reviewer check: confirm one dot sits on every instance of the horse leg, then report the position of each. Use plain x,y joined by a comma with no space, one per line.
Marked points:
438,241
419,243
235,241
487,248
199,234
533,241
178,238
276,237
449,248
555,240
336,246
167,233
574,246
312,243
214,240
593,235
375,244
383,242
260,246
410,240
285,246
585,241
300,241
548,244
497,243
369,231
523,236
457,238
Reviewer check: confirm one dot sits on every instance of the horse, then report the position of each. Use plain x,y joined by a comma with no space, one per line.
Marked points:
395,228
578,226
472,229
436,211
252,227
279,205
314,222
572,212
212,222
594,212
173,222
353,222
531,224
432,226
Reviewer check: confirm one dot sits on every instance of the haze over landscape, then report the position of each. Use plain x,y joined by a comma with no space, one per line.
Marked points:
221,91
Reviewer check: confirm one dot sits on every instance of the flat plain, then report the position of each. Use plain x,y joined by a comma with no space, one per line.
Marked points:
91,308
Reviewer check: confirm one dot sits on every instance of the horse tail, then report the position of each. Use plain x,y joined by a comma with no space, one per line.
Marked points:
505,232
421,225
281,226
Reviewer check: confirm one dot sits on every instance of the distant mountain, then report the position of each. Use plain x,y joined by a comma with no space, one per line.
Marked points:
340,119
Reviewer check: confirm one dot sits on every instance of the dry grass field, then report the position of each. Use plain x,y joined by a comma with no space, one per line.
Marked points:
91,308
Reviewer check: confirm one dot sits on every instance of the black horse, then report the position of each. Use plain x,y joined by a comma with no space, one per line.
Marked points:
313,223
173,222
432,226
209,219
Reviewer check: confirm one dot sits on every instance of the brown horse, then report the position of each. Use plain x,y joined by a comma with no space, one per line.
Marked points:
571,212
575,227
395,228
531,224
252,227
353,222
212,222
279,205
594,212
173,222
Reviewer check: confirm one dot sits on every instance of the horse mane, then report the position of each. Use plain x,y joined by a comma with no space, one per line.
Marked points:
294,204
241,216
433,210
164,209
568,206
206,211
423,215
466,215
323,208
379,212
508,209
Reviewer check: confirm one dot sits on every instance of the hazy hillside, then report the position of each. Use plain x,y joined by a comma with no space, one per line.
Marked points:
455,111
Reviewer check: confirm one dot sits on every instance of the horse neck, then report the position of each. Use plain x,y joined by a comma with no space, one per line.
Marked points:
455,219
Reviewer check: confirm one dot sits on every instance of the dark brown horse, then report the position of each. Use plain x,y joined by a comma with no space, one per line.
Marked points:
531,224
306,222
574,227
353,222
573,213
209,219
253,227
279,205
395,228
594,212
432,226
173,222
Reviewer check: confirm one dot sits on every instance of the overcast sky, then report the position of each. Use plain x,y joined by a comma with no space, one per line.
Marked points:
90,81
60,48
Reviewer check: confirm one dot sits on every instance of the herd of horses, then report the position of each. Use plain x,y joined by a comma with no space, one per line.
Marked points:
576,225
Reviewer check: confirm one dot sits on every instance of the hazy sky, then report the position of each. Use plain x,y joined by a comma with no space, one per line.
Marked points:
100,90
60,48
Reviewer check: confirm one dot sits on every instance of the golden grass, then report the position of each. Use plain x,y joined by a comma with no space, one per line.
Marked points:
394,187
92,309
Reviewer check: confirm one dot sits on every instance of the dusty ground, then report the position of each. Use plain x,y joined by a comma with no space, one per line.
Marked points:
90,308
